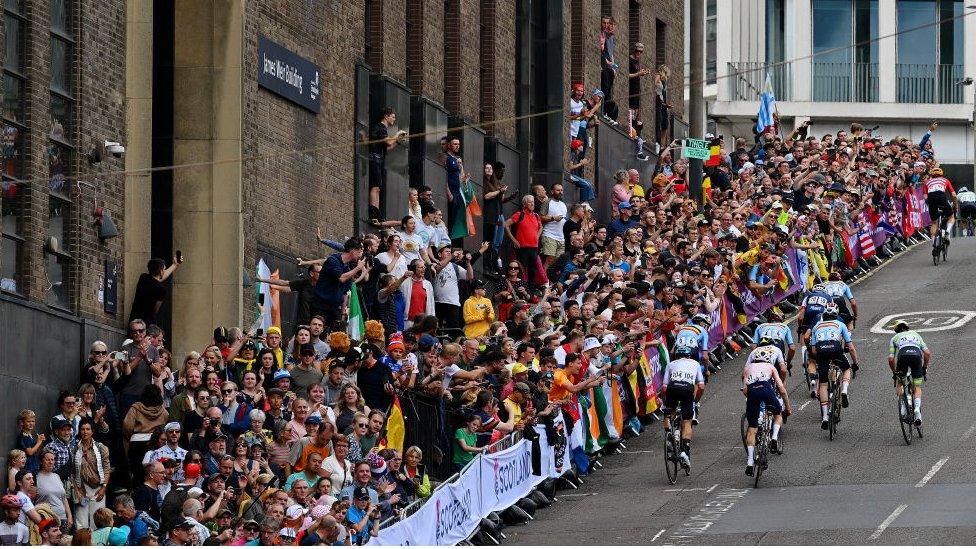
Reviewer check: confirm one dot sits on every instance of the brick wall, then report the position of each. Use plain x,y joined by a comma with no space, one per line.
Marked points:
97,82
287,196
504,86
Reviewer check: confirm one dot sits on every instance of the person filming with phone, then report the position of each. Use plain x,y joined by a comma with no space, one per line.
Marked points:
150,290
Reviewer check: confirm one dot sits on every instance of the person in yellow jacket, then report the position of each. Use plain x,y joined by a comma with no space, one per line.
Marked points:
479,312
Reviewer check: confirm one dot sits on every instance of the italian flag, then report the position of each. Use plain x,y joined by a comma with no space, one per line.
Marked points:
357,325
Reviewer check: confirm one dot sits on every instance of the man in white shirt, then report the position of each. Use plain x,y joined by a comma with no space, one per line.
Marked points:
447,294
553,218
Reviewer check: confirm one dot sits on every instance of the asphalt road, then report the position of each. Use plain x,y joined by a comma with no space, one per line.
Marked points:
864,487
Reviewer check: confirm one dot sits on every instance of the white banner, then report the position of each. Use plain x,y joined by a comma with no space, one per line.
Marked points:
506,477
550,467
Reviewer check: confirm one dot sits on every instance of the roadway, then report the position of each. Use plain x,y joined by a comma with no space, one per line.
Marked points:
864,487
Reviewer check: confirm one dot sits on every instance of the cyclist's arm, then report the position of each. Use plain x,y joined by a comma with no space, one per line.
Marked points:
781,387
891,354
699,389
926,356
854,307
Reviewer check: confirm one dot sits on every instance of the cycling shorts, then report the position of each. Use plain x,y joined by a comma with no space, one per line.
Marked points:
939,205
681,395
758,394
910,359
828,351
967,211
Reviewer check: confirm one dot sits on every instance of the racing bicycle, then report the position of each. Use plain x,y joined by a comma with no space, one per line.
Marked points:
940,244
834,377
672,446
907,421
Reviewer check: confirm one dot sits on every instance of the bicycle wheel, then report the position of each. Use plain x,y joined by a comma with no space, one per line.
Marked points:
671,454
906,427
833,406
760,456
935,251
743,427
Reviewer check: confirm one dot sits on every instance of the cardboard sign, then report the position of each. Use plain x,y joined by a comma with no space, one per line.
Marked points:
696,148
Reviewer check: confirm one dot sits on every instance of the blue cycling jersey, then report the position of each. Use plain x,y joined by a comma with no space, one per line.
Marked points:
777,331
691,336
830,330
814,304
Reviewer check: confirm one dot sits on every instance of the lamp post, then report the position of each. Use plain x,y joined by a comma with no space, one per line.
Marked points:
968,81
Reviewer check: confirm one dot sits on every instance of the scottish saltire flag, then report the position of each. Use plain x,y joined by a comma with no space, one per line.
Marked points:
767,106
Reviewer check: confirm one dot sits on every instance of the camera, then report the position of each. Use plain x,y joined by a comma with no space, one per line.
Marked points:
115,148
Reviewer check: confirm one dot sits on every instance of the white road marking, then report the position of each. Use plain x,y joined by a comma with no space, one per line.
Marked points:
925,321
887,522
969,432
935,469
657,535
574,494
709,491
685,489
805,404
707,515
638,452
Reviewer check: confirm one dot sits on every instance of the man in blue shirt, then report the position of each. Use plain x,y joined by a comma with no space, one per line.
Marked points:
338,272
363,517
625,221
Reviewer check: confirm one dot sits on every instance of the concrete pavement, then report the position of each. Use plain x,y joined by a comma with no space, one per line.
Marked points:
864,487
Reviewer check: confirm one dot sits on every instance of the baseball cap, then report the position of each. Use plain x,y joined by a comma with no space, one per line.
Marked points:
519,368
360,493
45,524
313,420
194,492
282,374
58,423
308,349
184,524
590,343
287,533
623,205
522,387
297,511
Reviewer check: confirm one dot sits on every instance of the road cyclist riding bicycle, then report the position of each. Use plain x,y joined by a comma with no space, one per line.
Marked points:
761,382
829,340
967,211
940,196
779,334
684,384
694,336
908,352
841,293
810,313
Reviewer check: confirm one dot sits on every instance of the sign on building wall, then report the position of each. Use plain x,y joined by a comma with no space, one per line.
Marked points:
110,287
288,74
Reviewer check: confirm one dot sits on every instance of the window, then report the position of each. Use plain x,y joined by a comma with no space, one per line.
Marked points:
843,71
711,43
775,31
930,55
60,153
660,42
11,120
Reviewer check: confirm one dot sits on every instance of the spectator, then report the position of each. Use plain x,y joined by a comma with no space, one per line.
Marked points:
138,523
524,229
337,467
143,417
12,531
662,106
139,366
608,63
304,287
465,439
338,273
92,472
381,142
50,490
418,293
478,311
150,291
146,496
634,73
553,217
448,277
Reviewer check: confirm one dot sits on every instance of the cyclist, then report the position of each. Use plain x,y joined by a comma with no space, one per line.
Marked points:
967,210
780,335
684,384
811,310
829,339
841,293
760,384
767,351
908,351
694,335
939,195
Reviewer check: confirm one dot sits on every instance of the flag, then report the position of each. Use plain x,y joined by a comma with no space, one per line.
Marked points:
767,107
908,220
357,326
886,227
395,426
866,240
714,154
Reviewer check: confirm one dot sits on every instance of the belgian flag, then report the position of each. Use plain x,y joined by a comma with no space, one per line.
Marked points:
715,150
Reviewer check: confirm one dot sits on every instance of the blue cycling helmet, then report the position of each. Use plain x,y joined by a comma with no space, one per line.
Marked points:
681,351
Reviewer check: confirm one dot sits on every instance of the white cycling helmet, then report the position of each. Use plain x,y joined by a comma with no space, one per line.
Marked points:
963,189
831,311
818,288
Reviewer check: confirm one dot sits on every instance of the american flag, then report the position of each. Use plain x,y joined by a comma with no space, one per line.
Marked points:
866,242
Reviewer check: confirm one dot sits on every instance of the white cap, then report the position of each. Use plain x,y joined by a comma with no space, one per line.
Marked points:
288,532
295,511
591,343
609,338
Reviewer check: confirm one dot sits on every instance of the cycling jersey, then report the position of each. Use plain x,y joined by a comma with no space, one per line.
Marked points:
683,373
813,307
777,331
758,378
692,336
906,340
830,330
966,197
767,353
840,292
938,185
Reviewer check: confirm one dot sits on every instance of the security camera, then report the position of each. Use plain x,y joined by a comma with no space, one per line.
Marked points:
116,149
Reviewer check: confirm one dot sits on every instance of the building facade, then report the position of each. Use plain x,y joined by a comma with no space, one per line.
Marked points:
230,168
895,64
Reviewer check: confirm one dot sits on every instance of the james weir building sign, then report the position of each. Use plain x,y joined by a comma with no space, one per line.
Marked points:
288,74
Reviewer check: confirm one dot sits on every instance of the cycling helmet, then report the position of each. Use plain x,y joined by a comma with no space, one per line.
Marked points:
775,314
819,288
963,189
935,171
762,355
11,501
766,340
702,320
901,326
681,351
831,311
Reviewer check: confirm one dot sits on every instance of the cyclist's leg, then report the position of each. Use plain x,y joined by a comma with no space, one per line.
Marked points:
753,402
918,380
823,370
846,371
687,412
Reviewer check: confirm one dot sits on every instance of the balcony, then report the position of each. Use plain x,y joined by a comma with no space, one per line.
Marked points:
845,82
918,83
746,80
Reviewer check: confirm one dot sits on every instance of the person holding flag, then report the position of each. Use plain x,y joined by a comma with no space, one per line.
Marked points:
335,280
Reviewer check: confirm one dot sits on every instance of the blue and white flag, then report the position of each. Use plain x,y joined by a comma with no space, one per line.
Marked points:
767,107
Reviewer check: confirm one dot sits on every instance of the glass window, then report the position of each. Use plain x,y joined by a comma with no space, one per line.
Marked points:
60,65
9,265
832,31
59,220
57,280
13,93
58,162
916,32
60,118
60,16
13,42
711,43
12,152
775,31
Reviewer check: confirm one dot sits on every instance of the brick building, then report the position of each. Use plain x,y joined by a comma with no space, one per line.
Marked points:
182,84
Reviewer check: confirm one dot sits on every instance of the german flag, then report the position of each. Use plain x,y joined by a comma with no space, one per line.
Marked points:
395,426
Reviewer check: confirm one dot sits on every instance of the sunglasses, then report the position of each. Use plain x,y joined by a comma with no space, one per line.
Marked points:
100,353
227,391
138,330
361,425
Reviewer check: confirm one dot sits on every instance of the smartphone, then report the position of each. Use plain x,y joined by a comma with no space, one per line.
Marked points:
260,331
179,256
261,299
